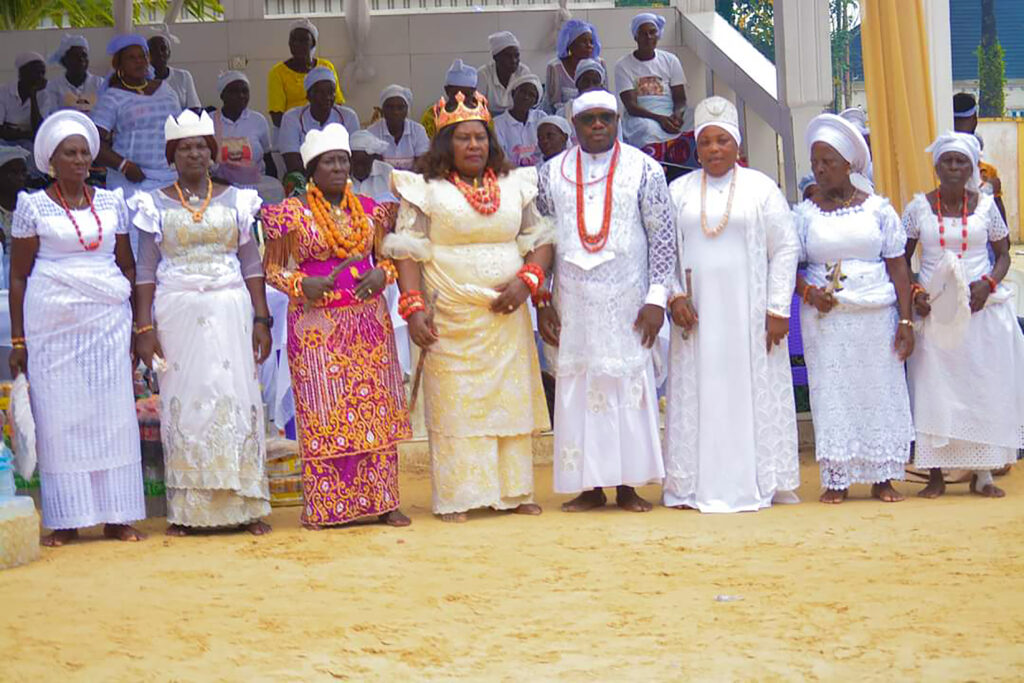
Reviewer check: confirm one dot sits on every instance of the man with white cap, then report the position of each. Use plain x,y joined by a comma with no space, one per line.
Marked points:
615,261
730,434
78,88
553,133
460,78
13,175
495,78
405,141
517,127
180,80
286,88
243,136
321,89
22,101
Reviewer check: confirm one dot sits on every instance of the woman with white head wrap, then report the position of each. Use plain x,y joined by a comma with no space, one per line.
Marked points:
577,41
856,319
78,88
243,136
967,373
517,127
651,85
23,103
494,78
730,438
322,251
72,269
180,80
285,82
321,92
406,140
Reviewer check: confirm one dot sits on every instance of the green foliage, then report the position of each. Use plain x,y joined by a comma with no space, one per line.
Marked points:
755,19
844,16
20,15
991,80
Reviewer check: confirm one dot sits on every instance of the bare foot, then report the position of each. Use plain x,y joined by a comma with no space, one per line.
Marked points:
257,528
886,493
627,498
588,500
123,532
177,530
988,490
936,485
395,518
455,517
527,509
58,538
833,496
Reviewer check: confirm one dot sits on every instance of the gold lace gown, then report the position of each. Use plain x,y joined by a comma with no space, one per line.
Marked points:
483,395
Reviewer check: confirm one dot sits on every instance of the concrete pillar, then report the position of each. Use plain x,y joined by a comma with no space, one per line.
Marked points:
123,16
940,62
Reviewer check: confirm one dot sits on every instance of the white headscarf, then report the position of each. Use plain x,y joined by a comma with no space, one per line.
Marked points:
461,75
395,90
67,42
27,58
966,144
229,77
365,141
720,112
527,78
594,99
9,153
558,122
317,74
842,136
647,18
59,126
164,31
333,137
307,25
857,117
502,40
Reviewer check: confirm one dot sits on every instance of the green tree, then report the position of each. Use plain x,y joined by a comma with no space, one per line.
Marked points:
844,18
991,65
754,19
20,15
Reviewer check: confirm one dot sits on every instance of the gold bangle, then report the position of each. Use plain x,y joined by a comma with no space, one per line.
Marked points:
18,345
908,323
144,329
17,340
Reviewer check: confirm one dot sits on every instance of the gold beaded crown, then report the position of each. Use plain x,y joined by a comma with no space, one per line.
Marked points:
443,117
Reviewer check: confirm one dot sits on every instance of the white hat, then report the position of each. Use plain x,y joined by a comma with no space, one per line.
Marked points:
59,126
27,58
333,137
966,144
842,136
594,99
9,153
317,74
857,117
67,42
365,141
720,112
460,75
188,125
229,77
502,40
527,78
164,31
558,122
306,25
395,90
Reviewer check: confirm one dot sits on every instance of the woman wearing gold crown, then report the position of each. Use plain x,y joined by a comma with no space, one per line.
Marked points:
349,394
470,247
199,259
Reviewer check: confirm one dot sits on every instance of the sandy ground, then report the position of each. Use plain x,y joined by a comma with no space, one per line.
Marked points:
922,589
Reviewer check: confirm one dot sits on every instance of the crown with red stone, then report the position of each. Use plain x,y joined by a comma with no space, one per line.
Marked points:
443,117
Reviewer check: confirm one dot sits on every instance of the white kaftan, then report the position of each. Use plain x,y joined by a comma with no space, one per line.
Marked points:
730,431
858,388
402,154
968,401
78,323
606,405
211,411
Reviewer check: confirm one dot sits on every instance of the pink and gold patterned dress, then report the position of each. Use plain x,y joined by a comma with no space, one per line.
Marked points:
349,395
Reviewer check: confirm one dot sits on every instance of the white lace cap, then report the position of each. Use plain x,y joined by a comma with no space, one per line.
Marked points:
188,125
334,136
720,112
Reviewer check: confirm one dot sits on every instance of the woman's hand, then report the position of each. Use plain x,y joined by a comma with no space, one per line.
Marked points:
147,345
648,323
261,342
922,304
776,329
979,295
683,313
511,296
316,288
904,343
422,331
133,173
823,301
18,361
669,124
549,325
371,283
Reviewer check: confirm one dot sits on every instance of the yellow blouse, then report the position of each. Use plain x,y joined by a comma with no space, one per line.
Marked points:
286,88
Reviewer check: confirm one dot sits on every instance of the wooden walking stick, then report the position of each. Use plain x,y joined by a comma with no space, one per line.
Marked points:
423,354
689,293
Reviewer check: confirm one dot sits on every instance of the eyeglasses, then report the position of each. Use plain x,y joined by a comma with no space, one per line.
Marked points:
605,117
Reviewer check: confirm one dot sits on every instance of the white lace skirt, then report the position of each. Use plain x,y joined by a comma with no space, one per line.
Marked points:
858,391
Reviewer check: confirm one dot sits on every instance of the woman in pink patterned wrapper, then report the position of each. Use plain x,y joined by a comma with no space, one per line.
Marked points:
349,395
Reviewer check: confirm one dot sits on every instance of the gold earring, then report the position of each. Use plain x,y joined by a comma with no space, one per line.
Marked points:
53,171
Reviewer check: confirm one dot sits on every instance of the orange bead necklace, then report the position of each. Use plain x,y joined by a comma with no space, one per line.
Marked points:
485,199
595,243
345,228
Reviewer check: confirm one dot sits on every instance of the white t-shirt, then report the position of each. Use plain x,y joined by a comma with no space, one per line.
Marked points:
519,140
653,77
377,185
13,111
414,143
241,146
60,94
487,84
181,82
297,121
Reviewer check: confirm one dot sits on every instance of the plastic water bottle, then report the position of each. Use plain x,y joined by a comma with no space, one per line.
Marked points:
7,489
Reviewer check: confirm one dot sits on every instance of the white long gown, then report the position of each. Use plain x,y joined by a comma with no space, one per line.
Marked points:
78,323
730,437
968,401
606,403
858,387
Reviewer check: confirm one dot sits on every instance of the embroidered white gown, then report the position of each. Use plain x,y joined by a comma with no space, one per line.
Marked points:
858,387
730,432
78,323
968,401
606,405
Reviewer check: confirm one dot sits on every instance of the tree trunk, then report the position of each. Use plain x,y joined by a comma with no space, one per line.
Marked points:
988,23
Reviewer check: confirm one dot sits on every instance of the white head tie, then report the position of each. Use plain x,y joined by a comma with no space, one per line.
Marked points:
527,78
857,117
229,77
720,112
842,136
333,137
317,74
594,99
27,58
164,31
395,90
59,126
558,122
365,141
67,42
188,125
9,153
502,40
965,144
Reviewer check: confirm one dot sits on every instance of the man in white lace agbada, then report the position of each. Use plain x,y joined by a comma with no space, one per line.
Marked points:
615,258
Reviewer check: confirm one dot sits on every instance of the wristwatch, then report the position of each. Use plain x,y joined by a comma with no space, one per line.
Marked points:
268,321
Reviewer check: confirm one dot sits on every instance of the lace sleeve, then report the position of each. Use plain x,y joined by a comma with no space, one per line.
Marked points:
659,224
800,226
894,239
411,238
247,207
23,222
911,226
277,219
543,202
123,216
783,247
995,224
535,230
